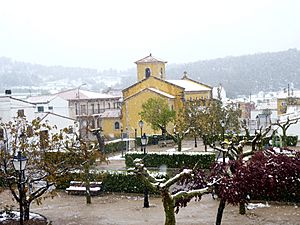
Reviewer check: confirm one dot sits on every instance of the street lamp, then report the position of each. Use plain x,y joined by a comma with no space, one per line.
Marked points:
19,163
223,128
144,141
141,124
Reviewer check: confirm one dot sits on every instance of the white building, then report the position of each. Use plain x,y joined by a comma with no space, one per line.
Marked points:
54,110
11,107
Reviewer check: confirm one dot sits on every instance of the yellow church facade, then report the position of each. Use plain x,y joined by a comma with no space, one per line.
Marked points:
152,83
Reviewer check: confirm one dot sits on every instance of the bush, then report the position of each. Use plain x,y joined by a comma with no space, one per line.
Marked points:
292,140
174,160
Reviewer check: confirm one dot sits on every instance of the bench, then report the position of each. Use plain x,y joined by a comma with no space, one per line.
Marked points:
78,188
166,143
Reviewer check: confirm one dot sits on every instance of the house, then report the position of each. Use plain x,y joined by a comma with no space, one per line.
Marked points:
152,83
54,110
11,107
94,110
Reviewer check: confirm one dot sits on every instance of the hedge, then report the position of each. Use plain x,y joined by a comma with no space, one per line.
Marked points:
114,147
172,160
119,181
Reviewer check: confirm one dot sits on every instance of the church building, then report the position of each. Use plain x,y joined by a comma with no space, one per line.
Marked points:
152,83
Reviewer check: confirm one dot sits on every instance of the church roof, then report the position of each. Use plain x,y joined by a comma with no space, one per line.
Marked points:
162,93
190,85
150,59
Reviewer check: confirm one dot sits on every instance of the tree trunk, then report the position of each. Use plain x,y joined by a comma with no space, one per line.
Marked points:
26,206
220,211
87,183
242,208
179,144
168,204
283,138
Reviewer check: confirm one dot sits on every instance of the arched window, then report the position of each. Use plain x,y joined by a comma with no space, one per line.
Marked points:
147,72
117,125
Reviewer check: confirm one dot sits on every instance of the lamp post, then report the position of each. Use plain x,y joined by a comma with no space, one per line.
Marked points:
223,129
144,142
135,137
19,162
222,144
141,124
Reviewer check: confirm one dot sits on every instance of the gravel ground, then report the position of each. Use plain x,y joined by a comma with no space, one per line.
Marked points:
116,209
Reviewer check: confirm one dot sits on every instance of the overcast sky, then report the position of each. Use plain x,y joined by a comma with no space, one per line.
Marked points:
105,34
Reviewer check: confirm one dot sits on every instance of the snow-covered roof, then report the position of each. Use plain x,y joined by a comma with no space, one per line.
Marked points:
189,85
149,59
161,92
152,90
41,99
73,94
113,113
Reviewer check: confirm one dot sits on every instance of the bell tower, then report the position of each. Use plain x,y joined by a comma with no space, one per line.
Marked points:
150,66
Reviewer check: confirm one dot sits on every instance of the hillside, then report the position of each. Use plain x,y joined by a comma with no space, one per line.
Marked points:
246,74
238,75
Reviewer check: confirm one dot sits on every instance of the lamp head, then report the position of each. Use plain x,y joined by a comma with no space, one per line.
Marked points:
19,162
141,123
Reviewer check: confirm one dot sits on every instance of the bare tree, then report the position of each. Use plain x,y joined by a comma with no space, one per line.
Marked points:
284,127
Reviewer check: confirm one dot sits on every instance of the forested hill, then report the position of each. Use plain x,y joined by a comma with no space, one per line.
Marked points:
245,74
240,75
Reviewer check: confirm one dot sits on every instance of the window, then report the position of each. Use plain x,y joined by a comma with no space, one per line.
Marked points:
76,109
50,107
98,107
93,108
161,72
40,108
21,113
147,72
117,125
82,109
109,105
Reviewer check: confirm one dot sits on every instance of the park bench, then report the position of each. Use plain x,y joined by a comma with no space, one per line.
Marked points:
165,143
78,188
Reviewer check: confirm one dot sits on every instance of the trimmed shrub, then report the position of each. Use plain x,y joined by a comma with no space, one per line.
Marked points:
114,147
124,182
120,181
172,160
292,140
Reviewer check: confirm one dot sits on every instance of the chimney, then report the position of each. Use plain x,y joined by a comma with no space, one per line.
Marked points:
7,92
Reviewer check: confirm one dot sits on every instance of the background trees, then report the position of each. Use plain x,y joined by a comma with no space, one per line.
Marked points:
211,120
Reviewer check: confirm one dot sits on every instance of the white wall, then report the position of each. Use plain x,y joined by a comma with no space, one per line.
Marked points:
9,109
